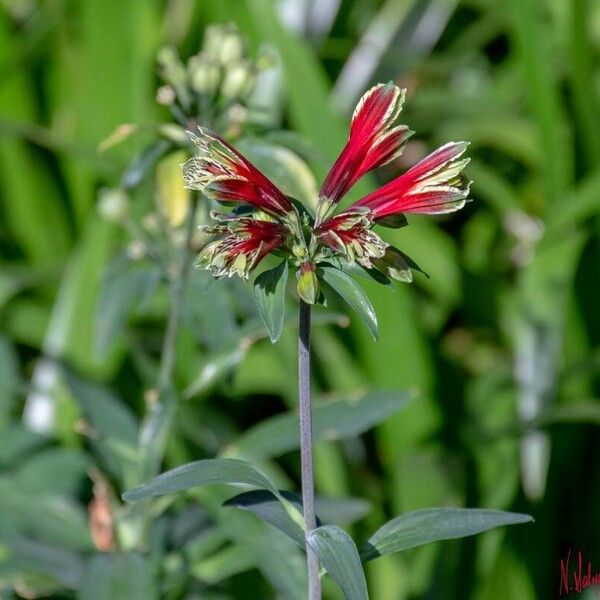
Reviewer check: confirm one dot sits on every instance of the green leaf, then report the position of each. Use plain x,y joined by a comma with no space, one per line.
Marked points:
202,472
125,285
143,163
338,419
269,292
353,294
338,554
112,576
284,167
266,506
435,524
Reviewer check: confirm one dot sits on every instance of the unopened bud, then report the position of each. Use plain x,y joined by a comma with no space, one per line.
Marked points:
172,69
113,205
308,283
136,250
232,46
205,73
299,251
165,95
238,78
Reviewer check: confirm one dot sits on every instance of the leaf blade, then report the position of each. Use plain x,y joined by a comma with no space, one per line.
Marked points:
352,294
338,554
435,524
269,293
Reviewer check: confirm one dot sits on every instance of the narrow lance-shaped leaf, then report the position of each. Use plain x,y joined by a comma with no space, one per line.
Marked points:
435,524
212,471
269,292
338,419
266,506
353,294
339,556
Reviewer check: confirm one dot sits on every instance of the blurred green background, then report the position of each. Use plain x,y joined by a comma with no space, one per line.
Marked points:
501,343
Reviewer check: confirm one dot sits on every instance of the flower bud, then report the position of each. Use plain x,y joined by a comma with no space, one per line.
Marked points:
238,80
165,95
172,69
232,46
205,73
112,205
308,283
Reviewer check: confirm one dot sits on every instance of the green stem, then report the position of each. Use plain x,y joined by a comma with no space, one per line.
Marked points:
157,422
308,483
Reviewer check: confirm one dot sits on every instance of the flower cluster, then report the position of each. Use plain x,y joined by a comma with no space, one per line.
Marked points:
265,220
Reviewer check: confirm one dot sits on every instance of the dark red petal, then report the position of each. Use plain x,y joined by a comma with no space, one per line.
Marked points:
374,110
370,144
434,185
235,189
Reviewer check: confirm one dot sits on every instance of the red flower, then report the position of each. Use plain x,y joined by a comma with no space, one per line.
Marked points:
240,246
221,171
434,185
372,143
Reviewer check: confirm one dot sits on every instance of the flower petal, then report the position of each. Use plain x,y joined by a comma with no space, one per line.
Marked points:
230,176
240,246
371,144
434,185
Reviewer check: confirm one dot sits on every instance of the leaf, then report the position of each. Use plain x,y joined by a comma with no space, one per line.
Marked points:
269,293
353,294
125,285
201,472
284,167
34,557
338,419
114,576
338,554
266,506
435,524
393,221
143,163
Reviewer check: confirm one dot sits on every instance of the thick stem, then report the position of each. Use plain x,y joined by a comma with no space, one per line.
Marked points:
308,484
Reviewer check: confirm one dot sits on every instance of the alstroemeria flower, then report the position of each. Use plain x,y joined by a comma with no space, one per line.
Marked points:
220,171
373,142
240,245
272,222
434,185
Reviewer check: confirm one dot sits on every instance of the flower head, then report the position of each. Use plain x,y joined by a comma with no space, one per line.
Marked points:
266,220
220,171
240,245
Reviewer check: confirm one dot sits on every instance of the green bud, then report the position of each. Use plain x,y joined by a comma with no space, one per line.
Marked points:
237,79
232,47
394,265
171,68
205,73
224,43
113,205
308,284
299,251
173,71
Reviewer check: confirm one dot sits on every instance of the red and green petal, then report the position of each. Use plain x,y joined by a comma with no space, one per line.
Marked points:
240,246
349,234
372,141
434,185
220,169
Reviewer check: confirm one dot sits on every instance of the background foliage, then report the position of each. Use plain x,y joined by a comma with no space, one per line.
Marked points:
499,345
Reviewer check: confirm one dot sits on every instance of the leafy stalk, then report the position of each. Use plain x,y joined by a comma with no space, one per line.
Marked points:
308,484
157,422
